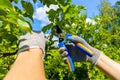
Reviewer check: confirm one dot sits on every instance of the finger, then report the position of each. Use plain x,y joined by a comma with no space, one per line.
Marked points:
65,60
61,50
78,39
64,54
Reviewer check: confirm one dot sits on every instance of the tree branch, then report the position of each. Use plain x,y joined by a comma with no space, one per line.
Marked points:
8,54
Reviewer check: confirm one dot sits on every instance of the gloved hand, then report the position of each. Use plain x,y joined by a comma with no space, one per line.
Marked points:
34,40
76,54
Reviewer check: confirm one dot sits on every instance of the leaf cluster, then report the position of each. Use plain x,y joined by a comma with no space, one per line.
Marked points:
13,23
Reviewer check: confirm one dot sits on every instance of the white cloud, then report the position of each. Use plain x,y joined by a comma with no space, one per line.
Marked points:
41,15
88,20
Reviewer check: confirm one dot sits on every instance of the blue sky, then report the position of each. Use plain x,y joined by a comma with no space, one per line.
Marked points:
92,5
41,19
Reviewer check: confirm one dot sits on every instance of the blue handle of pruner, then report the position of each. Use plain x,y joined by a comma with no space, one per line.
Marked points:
69,59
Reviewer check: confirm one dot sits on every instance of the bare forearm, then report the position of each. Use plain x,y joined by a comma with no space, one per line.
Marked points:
28,66
109,67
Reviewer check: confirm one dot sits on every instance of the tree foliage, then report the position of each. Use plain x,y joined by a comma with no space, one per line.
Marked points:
71,18
103,35
13,23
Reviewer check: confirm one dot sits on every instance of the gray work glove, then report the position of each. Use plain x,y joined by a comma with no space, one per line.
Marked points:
76,54
34,40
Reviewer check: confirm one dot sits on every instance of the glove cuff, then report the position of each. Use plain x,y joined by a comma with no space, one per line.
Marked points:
34,40
94,59
30,47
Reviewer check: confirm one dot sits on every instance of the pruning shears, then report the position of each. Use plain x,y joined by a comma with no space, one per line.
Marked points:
62,39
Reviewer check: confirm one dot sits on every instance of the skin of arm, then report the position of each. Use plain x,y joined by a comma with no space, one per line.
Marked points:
109,67
28,66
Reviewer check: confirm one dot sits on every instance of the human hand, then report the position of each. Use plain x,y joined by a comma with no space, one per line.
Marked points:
34,40
76,54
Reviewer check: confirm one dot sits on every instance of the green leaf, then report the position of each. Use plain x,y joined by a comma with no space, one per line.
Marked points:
45,28
81,8
5,4
7,27
16,1
48,2
3,13
28,8
64,8
10,20
34,1
51,16
24,25
29,16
